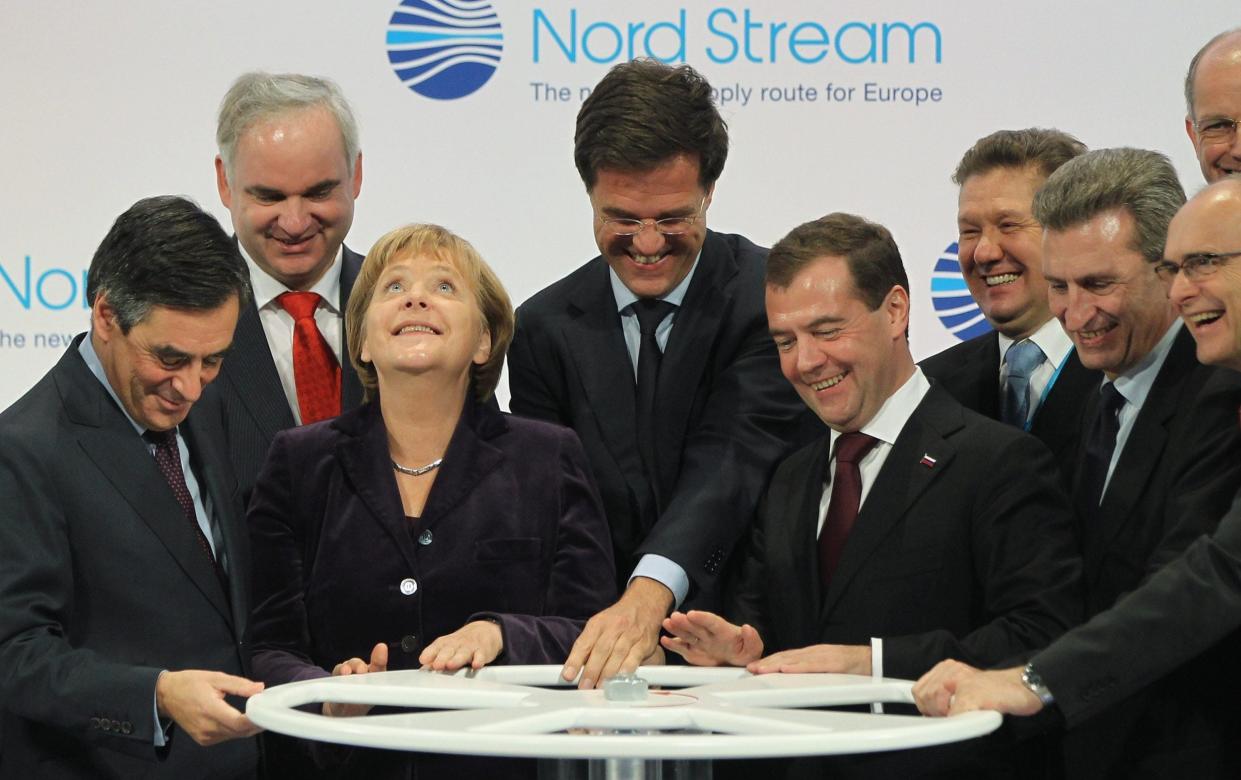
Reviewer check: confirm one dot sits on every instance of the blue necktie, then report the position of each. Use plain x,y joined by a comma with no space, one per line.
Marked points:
1022,358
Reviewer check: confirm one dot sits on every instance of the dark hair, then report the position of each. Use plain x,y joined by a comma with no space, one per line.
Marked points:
1192,74
166,251
644,112
1142,182
873,259
1046,149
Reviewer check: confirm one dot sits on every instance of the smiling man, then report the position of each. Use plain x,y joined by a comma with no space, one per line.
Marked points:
1213,100
288,170
124,565
915,529
1025,372
1152,670
656,353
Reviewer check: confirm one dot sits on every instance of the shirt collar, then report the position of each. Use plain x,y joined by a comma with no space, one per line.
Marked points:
1136,383
267,288
625,297
87,350
1050,338
891,418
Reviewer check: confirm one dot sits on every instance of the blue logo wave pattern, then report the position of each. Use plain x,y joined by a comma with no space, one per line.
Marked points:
953,303
444,49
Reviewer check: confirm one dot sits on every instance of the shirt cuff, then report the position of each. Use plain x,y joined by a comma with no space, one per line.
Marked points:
876,668
666,573
161,730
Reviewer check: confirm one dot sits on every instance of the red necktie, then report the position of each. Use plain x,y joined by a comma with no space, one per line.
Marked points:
315,369
845,500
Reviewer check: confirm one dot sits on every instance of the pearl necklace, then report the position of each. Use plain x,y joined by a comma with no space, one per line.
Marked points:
418,472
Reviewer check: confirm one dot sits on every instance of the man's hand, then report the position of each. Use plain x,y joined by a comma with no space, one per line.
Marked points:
706,639
378,663
953,687
194,700
837,659
477,644
621,637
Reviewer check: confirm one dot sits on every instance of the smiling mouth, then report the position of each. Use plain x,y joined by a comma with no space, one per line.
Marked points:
998,279
1089,335
417,329
826,383
1203,317
647,259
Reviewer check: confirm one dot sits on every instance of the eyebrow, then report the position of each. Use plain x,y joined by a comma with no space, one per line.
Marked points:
271,192
827,319
672,213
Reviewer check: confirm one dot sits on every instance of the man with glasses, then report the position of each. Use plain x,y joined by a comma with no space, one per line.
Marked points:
1185,724
656,353
1213,100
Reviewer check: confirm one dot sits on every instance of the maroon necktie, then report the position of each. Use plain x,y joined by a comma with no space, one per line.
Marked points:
168,458
845,500
315,369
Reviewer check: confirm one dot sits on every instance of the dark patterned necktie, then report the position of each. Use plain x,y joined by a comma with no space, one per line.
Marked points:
168,459
650,313
1100,446
846,499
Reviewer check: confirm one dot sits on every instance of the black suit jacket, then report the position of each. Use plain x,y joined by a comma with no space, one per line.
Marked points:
251,398
512,531
970,372
103,585
970,558
725,414
1173,481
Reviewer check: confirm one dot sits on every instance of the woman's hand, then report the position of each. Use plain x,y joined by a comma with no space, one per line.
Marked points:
477,644
378,663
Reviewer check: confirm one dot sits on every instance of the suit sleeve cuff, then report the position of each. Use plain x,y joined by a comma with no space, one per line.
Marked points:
876,668
666,573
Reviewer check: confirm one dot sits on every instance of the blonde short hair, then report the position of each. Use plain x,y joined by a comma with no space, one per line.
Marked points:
493,302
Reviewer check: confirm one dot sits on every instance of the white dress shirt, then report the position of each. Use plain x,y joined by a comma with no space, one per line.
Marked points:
278,323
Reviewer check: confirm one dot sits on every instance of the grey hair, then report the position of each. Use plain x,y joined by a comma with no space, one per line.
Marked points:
1142,182
1192,74
257,95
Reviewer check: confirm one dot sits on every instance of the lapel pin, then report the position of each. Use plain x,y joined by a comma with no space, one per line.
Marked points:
927,461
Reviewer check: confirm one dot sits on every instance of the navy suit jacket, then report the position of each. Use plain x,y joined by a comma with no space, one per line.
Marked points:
971,557
103,585
725,415
251,398
970,372
512,529
1174,480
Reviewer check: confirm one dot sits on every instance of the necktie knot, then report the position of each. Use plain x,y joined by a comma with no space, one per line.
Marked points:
1111,399
651,312
165,439
1022,358
852,447
299,305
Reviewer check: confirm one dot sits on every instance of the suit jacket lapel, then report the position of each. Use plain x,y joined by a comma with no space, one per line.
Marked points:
598,348
112,445
365,460
1143,450
986,377
689,346
249,367
350,386
900,482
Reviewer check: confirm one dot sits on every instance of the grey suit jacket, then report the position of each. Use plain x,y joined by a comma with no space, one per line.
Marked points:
103,585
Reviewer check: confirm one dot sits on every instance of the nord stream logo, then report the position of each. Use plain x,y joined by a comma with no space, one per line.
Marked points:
444,49
953,303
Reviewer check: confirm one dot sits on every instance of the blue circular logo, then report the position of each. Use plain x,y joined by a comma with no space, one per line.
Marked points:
951,298
444,49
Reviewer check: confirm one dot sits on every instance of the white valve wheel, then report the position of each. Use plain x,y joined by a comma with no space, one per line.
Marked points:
528,711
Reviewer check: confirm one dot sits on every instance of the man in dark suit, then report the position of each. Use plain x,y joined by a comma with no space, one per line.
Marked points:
1161,454
1186,607
288,171
123,576
1035,386
656,354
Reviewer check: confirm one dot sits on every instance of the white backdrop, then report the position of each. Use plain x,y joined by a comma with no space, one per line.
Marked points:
105,103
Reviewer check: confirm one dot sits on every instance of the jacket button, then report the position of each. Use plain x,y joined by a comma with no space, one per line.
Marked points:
127,728
425,538
94,723
409,586
105,724
409,643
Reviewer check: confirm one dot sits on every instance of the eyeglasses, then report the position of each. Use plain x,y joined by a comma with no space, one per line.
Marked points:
1196,266
668,226
1216,129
